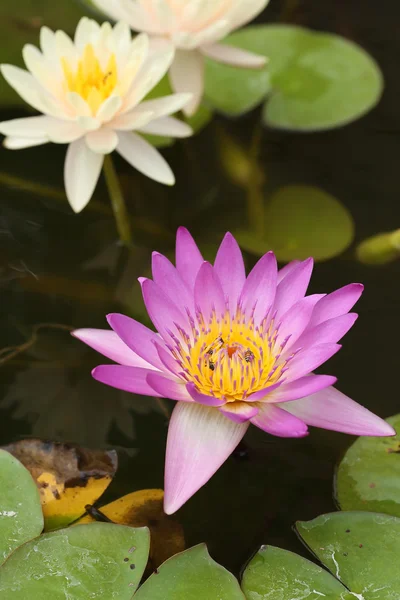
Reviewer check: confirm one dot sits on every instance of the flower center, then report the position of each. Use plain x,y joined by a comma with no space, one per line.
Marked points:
230,358
89,80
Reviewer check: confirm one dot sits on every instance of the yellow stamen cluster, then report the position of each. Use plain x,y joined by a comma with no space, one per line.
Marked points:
230,358
89,80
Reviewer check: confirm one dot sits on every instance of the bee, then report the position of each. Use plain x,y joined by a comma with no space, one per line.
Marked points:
217,345
106,76
211,365
248,356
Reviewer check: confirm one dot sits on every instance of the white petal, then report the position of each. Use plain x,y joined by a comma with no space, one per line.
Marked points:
234,56
131,120
144,157
187,75
109,108
129,11
18,143
80,107
88,123
30,127
43,72
244,12
29,89
168,105
103,141
66,48
81,173
168,126
200,439
47,41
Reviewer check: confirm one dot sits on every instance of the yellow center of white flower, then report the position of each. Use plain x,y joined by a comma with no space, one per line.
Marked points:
89,80
231,358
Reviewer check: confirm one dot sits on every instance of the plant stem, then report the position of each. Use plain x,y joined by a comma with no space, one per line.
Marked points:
117,201
255,198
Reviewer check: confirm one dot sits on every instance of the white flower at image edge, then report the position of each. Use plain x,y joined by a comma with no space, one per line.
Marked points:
195,29
90,92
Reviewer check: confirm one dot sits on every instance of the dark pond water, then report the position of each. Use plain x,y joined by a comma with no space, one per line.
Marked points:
62,269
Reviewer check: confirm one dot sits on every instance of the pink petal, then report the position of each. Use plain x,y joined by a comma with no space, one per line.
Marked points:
308,359
310,384
230,55
128,379
330,409
203,398
260,287
167,360
296,320
168,388
286,269
168,278
239,412
166,316
229,267
293,287
208,294
188,257
200,439
187,75
328,332
337,303
276,421
109,344
138,337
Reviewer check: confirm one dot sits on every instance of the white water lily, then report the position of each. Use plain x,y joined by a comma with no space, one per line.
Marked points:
90,92
194,28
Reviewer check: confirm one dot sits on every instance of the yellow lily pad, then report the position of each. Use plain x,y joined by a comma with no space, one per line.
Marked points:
68,477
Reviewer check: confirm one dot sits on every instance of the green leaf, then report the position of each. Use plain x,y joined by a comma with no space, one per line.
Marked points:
302,221
191,575
21,517
22,26
361,549
100,561
276,573
368,478
314,80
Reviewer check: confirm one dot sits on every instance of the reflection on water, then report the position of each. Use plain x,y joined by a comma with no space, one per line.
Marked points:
64,269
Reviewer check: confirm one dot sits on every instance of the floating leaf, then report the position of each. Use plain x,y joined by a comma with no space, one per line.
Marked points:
68,477
302,221
275,573
361,549
191,575
314,80
380,249
21,517
98,561
145,509
368,478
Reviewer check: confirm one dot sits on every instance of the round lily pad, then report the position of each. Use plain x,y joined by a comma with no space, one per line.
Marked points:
21,517
361,549
368,477
100,561
191,575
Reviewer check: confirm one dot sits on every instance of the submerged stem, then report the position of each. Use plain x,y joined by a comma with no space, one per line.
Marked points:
117,201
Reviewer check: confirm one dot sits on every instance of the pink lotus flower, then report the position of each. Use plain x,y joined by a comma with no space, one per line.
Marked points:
233,351
194,28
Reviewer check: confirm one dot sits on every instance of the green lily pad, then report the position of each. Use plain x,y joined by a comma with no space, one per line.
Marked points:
368,478
276,573
361,549
22,26
191,575
302,221
21,517
100,561
313,80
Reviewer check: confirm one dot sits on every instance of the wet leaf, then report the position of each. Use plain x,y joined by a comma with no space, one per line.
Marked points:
302,221
191,575
21,517
361,549
68,477
145,509
22,26
276,573
368,478
313,80
98,561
